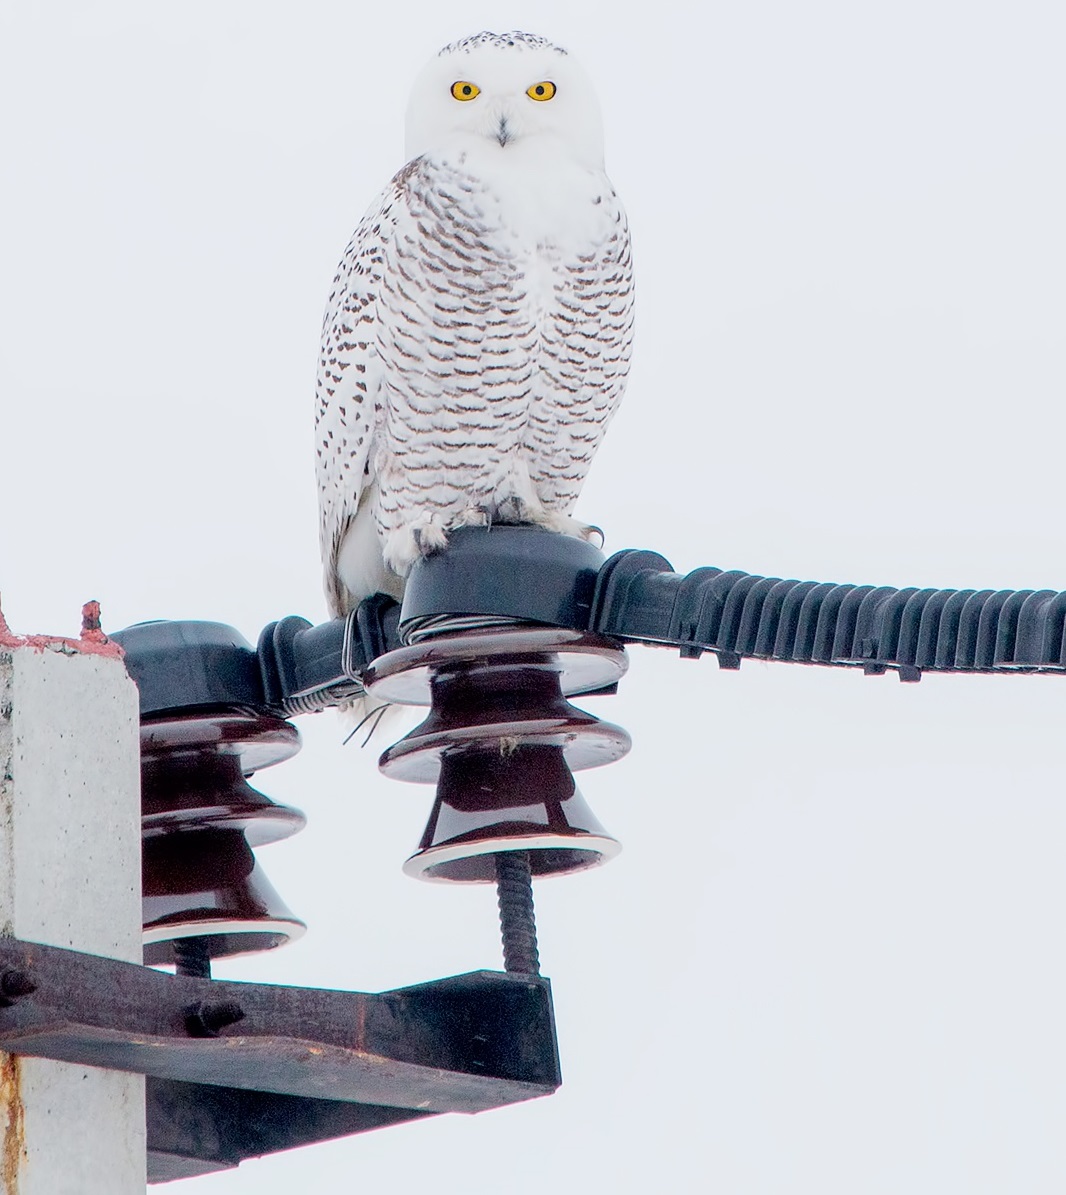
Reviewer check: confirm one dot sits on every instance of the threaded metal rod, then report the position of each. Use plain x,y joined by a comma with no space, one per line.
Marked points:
518,926
192,957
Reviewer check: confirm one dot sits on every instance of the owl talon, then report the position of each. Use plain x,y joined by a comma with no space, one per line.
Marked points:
473,516
511,510
429,539
412,542
565,525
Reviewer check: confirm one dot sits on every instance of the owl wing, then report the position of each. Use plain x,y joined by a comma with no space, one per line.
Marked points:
348,393
588,343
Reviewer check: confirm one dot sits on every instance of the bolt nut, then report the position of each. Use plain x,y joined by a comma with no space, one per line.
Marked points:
14,984
207,1020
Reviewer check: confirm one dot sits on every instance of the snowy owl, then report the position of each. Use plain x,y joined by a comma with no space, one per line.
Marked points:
477,338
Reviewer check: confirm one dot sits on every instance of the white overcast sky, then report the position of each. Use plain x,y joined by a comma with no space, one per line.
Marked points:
830,958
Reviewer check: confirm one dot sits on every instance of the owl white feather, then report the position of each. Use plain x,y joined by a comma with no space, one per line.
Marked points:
477,337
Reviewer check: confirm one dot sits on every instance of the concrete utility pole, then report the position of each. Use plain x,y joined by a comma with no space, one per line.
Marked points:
70,855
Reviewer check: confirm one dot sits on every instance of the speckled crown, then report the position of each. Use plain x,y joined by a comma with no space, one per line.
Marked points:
513,40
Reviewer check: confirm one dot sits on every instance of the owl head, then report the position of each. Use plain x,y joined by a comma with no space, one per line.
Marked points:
505,93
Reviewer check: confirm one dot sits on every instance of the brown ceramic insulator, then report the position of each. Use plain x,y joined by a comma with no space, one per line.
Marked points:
193,775
497,706
501,742
524,800
207,884
585,662
200,761
200,820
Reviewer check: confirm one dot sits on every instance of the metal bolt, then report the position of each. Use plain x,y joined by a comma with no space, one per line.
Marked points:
518,926
206,1020
192,957
13,985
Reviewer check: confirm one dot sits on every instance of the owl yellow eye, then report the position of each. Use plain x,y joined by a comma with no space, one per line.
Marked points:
465,91
541,91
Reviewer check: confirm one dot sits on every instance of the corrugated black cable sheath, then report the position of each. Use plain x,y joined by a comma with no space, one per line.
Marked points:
636,597
639,598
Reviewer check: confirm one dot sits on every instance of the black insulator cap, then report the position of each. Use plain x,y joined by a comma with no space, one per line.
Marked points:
519,572
191,665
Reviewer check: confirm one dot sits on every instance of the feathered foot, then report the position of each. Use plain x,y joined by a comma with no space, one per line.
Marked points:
563,524
428,534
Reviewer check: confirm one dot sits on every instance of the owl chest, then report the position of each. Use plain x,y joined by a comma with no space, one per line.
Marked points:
516,243
474,293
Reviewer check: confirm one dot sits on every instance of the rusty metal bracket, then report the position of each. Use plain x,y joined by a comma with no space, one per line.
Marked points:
238,1070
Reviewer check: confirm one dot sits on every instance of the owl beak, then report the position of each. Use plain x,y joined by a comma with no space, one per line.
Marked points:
503,131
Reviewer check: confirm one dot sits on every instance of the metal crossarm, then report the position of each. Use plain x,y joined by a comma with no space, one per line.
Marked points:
238,1070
